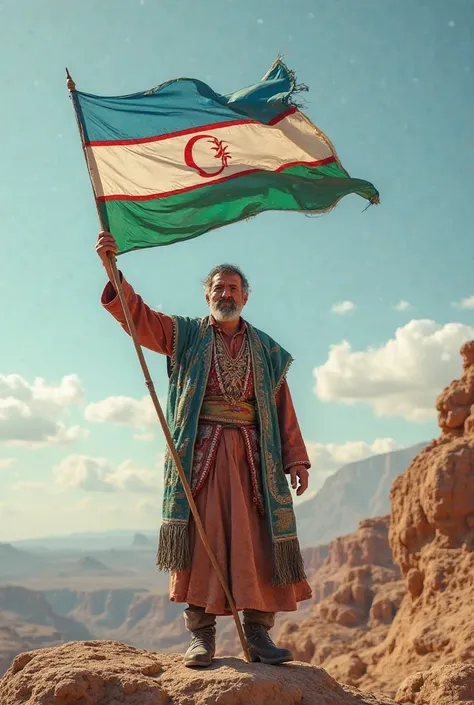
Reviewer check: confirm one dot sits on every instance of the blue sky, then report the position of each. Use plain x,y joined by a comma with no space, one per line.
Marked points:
390,83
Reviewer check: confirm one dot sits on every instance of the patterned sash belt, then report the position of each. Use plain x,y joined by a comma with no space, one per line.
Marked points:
220,411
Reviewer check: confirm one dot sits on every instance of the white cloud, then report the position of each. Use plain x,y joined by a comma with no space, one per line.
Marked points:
90,474
343,307
144,436
123,411
6,463
25,486
30,413
402,305
467,303
84,473
402,377
129,478
327,458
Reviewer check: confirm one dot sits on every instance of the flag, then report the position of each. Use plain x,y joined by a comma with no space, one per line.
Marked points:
179,160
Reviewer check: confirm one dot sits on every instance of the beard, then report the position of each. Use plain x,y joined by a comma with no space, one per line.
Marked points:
225,310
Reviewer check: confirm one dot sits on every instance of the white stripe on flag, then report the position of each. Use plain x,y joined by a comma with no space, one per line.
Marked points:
183,162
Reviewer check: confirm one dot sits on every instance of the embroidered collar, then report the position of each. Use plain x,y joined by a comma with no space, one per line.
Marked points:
240,330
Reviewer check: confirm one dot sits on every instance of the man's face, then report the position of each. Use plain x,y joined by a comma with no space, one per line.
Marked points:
226,297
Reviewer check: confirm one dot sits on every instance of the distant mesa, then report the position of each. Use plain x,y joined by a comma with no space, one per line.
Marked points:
357,491
141,541
87,564
28,623
9,551
15,563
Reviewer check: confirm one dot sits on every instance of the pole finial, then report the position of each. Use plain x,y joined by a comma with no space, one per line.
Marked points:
71,86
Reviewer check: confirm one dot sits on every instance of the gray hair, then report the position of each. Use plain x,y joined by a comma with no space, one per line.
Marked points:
226,269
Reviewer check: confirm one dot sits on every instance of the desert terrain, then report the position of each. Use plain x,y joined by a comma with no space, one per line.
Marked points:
391,601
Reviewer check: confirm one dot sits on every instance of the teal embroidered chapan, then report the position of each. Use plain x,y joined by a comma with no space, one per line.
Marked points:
189,371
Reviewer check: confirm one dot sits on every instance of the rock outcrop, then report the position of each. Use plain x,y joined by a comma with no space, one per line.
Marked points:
441,685
111,673
423,620
367,546
314,558
358,591
28,622
432,540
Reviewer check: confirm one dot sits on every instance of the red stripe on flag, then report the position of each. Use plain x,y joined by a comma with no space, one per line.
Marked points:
154,196
189,131
282,116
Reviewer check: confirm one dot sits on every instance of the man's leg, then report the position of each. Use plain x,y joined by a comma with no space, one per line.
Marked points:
202,626
261,647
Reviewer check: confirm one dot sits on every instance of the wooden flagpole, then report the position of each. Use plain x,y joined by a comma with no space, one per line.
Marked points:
115,279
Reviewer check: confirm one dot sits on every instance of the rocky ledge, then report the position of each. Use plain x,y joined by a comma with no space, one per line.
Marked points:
111,673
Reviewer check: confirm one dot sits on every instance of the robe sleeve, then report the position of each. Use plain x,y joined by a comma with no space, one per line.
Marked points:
292,444
155,330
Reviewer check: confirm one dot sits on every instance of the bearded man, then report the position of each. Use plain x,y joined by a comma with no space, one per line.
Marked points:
233,422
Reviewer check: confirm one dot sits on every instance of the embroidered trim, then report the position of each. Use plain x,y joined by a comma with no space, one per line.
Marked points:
217,408
174,344
306,463
284,518
282,539
277,487
211,455
208,354
257,496
227,421
283,375
174,521
232,373
249,381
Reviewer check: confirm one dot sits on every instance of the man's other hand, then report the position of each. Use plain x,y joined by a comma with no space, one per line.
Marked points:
299,478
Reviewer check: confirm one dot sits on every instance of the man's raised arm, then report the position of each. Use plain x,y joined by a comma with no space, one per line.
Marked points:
154,329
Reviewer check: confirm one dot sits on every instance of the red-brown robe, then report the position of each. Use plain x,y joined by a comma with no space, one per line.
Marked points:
226,495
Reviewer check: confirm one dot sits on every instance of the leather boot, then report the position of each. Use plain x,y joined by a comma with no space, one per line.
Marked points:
202,648
261,646
202,626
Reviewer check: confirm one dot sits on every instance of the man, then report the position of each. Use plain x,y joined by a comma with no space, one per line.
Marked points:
233,422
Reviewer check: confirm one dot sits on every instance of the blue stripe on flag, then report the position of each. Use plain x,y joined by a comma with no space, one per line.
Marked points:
181,104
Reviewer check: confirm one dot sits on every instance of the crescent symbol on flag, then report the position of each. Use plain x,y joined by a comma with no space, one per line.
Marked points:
219,149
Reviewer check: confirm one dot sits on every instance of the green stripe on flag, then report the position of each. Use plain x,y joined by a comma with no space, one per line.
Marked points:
164,221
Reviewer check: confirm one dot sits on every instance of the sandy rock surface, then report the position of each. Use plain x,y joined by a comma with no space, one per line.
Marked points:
441,685
111,673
